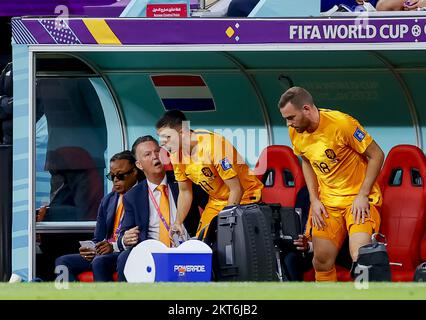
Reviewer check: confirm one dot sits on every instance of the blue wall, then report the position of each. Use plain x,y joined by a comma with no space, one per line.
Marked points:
20,228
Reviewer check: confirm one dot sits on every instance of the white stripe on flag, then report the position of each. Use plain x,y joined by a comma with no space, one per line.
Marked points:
184,92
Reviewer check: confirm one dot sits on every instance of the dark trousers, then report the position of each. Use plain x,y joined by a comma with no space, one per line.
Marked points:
103,266
121,263
295,264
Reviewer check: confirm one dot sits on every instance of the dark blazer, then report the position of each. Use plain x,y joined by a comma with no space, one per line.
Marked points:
241,8
106,217
136,206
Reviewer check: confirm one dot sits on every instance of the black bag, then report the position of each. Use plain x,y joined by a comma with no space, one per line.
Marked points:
420,274
272,213
373,258
245,248
290,225
285,225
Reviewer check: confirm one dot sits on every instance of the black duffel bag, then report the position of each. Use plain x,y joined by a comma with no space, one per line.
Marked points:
420,274
373,261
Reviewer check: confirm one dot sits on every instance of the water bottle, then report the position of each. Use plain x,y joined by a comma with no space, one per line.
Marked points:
177,240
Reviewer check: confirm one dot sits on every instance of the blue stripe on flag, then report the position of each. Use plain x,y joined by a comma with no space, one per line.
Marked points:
189,104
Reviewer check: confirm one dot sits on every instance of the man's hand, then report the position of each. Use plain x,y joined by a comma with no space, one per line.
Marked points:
302,243
412,5
104,247
317,210
87,253
131,236
360,208
176,228
41,213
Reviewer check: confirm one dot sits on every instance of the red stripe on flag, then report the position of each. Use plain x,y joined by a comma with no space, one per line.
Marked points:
178,81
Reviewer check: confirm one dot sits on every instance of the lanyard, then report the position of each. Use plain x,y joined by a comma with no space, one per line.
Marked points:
151,195
117,231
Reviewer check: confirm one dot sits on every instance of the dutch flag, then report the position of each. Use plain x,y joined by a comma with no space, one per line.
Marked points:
183,92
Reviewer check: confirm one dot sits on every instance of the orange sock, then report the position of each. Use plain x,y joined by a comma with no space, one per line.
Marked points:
330,275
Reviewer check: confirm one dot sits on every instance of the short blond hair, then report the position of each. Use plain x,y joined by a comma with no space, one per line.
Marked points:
297,96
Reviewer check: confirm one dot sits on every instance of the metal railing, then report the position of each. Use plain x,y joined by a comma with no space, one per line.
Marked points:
66,227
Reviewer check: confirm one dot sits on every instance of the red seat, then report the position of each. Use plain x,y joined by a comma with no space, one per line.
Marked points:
423,248
281,173
403,215
87,276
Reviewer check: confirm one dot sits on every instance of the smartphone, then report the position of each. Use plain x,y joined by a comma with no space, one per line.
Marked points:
88,244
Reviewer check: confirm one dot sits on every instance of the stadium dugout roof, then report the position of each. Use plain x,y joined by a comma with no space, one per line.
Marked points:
338,32
371,67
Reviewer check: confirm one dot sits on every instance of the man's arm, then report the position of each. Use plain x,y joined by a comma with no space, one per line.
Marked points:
183,205
226,161
413,5
235,190
389,5
399,5
317,208
375,158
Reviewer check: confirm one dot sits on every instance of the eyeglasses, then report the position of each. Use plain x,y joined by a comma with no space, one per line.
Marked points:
119,176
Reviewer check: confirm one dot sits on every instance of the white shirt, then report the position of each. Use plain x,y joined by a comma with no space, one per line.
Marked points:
154,219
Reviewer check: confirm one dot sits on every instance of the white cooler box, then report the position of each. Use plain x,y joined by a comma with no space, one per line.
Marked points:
152,261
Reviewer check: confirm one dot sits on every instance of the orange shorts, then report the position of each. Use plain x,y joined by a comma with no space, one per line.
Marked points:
340,222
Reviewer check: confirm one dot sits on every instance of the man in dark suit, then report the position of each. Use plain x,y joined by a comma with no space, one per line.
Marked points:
102,260
147,216
77,140
241,8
